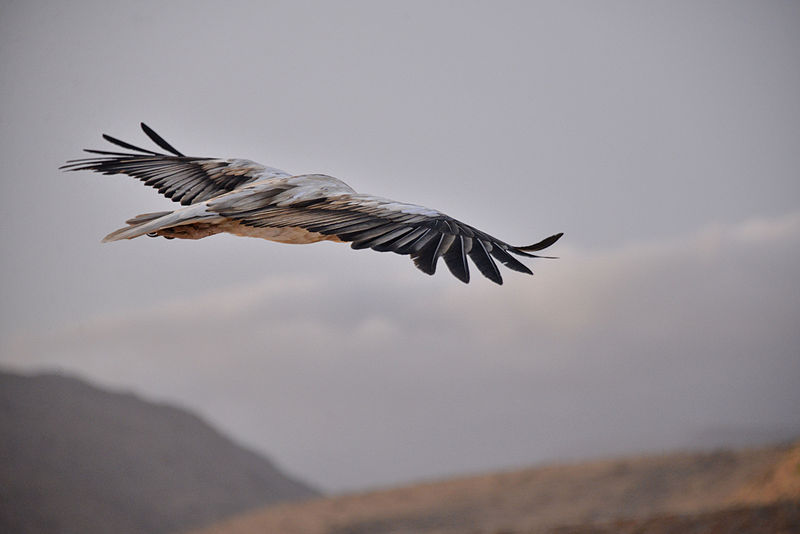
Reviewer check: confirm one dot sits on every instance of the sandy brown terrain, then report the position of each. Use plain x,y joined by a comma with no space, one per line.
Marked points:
782,517
683,492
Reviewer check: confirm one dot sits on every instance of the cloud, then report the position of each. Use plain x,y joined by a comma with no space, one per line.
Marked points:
395,376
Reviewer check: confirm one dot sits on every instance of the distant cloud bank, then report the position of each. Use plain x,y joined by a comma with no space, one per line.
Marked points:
393,376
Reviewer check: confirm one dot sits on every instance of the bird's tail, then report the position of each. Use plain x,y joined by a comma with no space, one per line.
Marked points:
152,223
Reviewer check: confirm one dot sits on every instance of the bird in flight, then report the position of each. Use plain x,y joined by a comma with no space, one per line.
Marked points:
241,197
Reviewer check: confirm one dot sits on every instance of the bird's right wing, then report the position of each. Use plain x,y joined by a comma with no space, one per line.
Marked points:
381,224
184,179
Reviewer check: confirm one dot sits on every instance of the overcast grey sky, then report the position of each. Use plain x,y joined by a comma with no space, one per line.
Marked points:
662,137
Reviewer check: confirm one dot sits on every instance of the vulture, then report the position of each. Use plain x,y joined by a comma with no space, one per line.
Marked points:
244,198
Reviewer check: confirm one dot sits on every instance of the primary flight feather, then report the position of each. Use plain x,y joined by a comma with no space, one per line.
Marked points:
244,198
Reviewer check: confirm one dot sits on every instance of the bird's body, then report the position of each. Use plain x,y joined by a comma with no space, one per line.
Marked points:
245,198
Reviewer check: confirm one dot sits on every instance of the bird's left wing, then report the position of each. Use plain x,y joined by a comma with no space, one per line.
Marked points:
184,179
380,224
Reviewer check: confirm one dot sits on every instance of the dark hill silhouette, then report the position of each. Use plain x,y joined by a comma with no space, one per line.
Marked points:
75,458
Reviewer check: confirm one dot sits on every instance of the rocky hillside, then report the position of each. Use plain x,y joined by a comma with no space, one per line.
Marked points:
75,458
752,491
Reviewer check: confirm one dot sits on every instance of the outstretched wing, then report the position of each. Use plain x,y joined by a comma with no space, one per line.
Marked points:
383,225
184,179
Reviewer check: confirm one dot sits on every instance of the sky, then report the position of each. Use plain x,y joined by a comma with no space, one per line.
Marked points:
663,138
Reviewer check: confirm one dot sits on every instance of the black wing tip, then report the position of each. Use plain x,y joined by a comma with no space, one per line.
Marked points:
128,146
91,163
79,164
460,273
543,244
425,267
146,129
157,139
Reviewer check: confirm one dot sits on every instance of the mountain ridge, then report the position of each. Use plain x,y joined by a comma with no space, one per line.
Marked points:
78,458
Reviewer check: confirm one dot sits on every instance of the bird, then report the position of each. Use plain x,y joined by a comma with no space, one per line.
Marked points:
244,198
